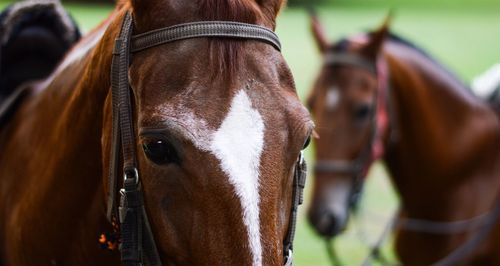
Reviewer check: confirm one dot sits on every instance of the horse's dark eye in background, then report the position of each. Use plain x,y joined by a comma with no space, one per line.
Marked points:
362,113
160,152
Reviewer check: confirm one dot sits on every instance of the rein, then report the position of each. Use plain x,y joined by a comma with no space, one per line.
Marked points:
484,223
444,228
138,246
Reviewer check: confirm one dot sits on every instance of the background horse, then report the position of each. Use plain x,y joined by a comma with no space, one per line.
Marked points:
379,96
220,130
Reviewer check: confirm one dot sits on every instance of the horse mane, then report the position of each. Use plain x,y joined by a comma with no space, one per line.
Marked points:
400,40
344,44
225,55
446,71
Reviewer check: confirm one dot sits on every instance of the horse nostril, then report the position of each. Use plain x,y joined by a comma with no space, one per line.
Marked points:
328,224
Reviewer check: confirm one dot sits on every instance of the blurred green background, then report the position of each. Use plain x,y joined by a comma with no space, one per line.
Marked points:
463,34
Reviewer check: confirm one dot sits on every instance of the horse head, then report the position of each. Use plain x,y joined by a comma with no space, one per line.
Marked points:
219,131
347,101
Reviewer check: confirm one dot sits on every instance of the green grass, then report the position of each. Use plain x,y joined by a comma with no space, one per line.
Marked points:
89,15
463,34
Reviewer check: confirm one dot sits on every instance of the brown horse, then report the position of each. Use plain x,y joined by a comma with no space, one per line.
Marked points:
219,128
379,96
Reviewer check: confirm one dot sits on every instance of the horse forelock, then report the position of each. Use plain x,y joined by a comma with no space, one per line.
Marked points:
225,55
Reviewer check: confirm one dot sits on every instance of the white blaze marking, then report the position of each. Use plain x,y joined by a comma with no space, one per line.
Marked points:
238,144
332,98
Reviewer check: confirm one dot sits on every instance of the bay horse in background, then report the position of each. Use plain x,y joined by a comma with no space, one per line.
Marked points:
380,97
220,129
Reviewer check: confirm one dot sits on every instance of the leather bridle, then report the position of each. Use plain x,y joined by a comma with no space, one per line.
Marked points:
357,167
138,246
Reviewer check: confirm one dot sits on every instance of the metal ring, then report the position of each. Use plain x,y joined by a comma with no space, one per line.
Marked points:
131,174
301,157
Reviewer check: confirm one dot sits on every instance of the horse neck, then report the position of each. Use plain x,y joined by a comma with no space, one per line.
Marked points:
77,94
440,132
66,113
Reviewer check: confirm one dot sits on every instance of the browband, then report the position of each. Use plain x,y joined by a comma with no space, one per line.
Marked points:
350,59
227,29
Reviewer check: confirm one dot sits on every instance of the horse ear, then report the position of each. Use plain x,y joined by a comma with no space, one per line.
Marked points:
377,38
271,8
318,32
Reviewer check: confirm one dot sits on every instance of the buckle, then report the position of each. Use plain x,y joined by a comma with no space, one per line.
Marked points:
130,175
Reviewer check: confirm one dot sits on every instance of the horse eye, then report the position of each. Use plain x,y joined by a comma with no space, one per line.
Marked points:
306,144
362,112
160,152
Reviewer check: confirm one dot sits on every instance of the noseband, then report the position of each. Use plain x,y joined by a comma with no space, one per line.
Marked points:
137,242
357,167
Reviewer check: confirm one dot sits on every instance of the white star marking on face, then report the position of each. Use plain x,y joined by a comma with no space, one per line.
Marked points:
332,98
238,144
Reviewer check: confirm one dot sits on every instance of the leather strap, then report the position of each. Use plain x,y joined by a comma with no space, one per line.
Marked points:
204,29
350,59
443,228
337,166
459,254
483,224
137,242
299,182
